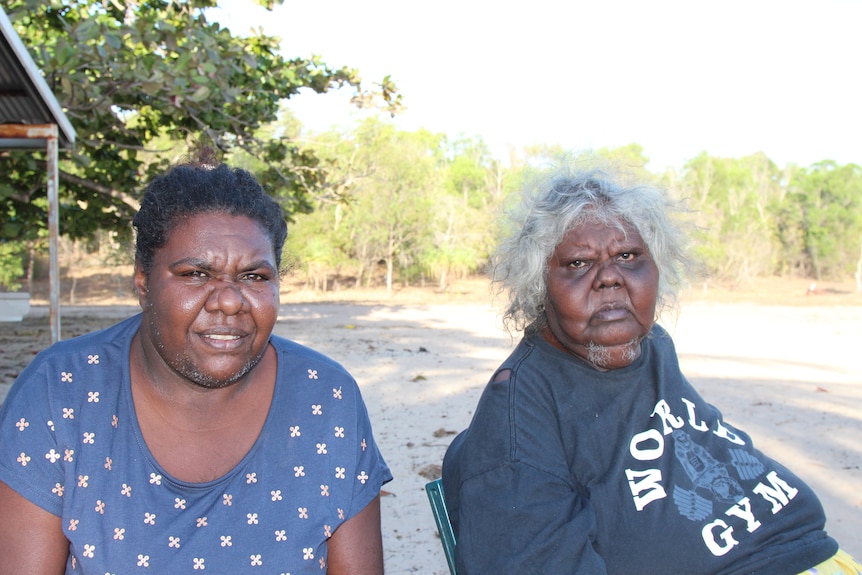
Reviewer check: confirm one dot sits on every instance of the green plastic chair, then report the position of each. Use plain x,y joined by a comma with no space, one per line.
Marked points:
434,489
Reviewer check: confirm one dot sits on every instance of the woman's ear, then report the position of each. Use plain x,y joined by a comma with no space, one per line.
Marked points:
140,283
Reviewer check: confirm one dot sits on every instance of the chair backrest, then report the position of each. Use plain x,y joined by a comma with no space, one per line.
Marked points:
434,489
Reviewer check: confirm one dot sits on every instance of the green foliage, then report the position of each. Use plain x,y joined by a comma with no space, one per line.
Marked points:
735,200
403,206
11,264
439,201
823,218
134,75
315,245
630,158
390,211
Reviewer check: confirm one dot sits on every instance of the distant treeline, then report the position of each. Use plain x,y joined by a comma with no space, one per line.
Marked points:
415,206
384,206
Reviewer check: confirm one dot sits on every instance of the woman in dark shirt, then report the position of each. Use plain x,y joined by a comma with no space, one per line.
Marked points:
589,451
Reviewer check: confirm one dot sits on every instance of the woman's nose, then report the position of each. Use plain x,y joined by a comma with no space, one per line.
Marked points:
607,275
226,297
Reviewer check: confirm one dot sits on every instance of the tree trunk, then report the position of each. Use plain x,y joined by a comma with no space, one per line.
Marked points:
31,265
815,261
859,271
72,290
389,277
361,259
390,262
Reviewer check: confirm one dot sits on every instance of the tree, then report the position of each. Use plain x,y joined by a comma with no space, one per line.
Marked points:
735,201
629,158
392,207
401,205
824,212
465,212
132,74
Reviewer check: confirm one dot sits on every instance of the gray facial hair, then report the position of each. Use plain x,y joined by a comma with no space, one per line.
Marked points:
600,355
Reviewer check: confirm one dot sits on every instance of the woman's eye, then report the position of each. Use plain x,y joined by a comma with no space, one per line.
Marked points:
575,264
627,256
255,277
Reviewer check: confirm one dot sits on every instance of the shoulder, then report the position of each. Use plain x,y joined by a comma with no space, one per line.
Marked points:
660,348
111,339
84,358
516,420
307,377
297,353
659,337
537,373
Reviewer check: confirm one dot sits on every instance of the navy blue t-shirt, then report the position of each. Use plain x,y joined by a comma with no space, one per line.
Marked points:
569,470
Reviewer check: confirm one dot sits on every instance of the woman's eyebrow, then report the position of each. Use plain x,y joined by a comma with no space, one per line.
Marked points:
206,265
191,261
264,264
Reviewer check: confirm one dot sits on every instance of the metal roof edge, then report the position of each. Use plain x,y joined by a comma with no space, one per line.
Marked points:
36,78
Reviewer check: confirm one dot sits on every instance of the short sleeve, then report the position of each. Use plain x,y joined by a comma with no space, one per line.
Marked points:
30,454
371,469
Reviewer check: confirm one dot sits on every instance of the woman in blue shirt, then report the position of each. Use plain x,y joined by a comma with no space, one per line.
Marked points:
189,437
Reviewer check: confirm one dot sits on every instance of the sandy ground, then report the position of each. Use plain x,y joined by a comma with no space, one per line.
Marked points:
788,375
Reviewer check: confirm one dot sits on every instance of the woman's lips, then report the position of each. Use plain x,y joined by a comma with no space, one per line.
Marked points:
611,314
221,337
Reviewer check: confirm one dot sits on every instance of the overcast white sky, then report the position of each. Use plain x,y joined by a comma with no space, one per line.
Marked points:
728,77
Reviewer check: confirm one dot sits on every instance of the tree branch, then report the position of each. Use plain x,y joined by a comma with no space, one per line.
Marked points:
104,190
98,188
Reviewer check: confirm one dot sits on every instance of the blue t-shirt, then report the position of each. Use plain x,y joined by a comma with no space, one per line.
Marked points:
70,443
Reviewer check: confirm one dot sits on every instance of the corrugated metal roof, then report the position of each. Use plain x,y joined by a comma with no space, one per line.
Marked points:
25,97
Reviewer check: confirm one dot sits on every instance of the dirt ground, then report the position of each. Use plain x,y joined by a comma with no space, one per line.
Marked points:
780,363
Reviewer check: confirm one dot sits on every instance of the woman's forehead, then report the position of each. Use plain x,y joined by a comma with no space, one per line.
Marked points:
604,230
